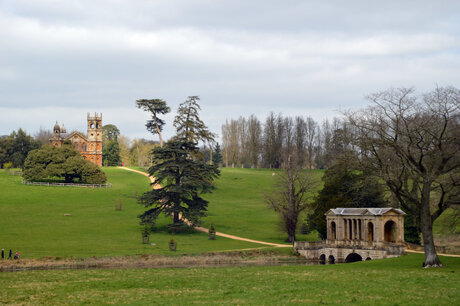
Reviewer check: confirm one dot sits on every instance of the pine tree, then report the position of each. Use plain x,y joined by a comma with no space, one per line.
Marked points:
217,156
155,107
188,124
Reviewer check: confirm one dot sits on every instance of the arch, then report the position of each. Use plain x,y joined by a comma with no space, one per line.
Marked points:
83,147
353,257
333,231
370,231
331,260
368,258
91,125
322,259
390,231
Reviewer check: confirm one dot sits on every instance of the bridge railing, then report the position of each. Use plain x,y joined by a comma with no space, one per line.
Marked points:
358,244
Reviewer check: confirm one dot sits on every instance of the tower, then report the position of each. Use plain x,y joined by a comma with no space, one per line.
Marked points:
95,138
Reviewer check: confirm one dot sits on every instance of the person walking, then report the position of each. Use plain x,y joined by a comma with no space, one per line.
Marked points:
10,256
3,253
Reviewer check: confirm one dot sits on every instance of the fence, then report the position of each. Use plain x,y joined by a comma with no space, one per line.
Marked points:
67,184
15,172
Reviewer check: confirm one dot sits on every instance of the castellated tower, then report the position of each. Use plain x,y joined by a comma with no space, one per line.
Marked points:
94,136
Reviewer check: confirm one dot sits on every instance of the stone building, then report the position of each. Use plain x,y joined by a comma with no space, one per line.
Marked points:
355,234
90,146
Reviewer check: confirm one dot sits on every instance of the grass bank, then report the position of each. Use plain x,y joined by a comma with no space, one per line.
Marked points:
398,281
237,205
33,221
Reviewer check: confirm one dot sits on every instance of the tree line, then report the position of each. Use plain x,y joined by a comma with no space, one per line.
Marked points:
250,143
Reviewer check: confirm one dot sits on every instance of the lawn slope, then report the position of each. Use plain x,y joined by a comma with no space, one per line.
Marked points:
32,220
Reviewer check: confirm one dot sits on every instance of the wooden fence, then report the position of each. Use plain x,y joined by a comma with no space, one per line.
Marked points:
67,184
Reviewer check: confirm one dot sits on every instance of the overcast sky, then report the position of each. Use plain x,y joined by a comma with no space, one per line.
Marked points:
62,59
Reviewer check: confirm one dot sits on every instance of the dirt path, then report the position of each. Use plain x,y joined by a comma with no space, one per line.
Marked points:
205,230
440,254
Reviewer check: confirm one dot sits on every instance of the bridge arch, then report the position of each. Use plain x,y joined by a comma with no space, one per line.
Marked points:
353,257
331,259
322,259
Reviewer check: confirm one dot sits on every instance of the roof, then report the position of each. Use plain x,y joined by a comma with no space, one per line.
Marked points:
363,211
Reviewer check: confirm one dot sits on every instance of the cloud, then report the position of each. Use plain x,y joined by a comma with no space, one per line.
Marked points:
241,57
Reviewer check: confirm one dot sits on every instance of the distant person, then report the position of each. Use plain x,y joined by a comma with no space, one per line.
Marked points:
16,256
3,253
10,255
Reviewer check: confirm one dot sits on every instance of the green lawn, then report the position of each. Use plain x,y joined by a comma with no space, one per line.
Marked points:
237,205
32,220
398,281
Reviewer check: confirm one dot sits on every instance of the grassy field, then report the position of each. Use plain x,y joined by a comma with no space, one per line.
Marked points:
32,221
398,281
237,205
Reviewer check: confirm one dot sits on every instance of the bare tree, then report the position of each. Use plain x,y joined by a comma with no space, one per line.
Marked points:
43,136
405,137
254,140
242,140
300,139
310,131
291,195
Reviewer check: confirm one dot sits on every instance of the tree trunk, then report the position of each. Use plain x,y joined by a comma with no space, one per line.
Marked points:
159,132
431,258
291,226
176,217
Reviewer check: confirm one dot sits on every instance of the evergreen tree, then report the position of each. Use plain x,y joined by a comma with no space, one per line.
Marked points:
155,107
188,124
111,153
344,187
182,180
217,156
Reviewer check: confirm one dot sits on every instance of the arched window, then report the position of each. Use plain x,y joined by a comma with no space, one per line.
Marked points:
333,231
83,147
76,146
390,231
370,231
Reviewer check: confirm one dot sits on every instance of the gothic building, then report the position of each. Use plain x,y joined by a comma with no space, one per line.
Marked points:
90,146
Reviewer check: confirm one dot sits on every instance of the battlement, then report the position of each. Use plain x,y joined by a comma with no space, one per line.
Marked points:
95,117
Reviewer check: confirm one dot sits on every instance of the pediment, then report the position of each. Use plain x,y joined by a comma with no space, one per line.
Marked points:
76,137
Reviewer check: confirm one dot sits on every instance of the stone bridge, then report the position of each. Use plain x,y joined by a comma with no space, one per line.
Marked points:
355,234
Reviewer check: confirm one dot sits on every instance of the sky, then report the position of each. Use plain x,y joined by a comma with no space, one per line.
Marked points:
62,59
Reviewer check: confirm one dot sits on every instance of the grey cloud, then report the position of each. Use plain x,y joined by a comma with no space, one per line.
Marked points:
241,57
